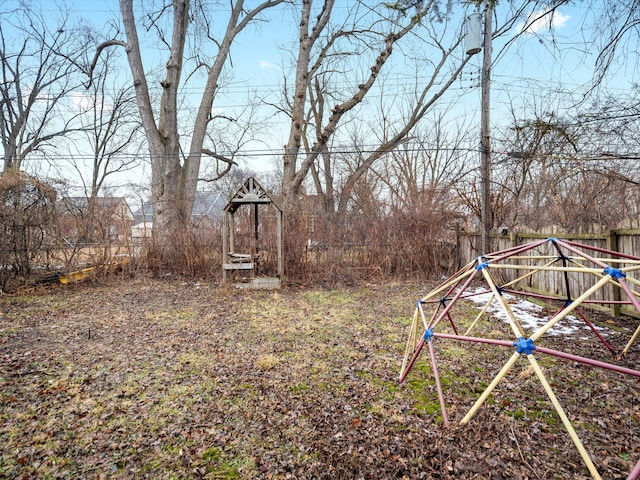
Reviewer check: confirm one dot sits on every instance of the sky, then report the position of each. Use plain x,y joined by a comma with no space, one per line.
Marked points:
550,56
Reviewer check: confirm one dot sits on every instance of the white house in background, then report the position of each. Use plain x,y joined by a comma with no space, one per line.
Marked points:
140,231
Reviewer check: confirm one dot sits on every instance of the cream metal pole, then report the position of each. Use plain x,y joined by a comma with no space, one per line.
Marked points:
513,322
563,417
482,312
570,308
412,341
501,374
449,283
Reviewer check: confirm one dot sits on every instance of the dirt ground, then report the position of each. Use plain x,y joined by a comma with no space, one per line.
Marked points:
141,378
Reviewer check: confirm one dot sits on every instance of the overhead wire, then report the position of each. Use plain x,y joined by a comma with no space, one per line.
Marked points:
502,83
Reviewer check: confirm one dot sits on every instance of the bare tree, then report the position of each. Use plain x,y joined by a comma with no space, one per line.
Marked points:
227,140
363,35
38,62
175,168
564,171
615,34
427,166
107,145
111,126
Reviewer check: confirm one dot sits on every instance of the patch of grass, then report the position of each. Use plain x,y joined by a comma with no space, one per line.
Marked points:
422,392
267,362
332,297
624,456
300,387
518,414
323,387
173,317
213,463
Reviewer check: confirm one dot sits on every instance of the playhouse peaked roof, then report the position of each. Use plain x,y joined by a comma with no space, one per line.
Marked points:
251,192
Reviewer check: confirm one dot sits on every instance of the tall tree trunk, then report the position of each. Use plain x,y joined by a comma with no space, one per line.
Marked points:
174,180
291,182
171,210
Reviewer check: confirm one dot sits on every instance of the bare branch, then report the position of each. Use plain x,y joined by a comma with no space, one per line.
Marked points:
100,48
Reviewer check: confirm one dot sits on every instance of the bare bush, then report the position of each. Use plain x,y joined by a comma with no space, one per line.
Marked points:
200,255
296,246
27,216
372,241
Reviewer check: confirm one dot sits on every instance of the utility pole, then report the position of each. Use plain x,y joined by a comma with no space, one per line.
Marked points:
485,138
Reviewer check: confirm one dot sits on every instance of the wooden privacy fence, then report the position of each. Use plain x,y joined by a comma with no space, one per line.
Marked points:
625,241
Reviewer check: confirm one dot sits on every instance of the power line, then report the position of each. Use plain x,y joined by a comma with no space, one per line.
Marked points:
365,149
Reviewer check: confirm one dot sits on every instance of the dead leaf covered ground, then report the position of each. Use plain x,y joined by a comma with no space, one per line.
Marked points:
171,379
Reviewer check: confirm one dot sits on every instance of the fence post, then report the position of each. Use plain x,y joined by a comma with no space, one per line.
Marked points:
513,242
513,238
612,244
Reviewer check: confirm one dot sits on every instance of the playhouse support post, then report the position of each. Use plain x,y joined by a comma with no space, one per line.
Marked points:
279,227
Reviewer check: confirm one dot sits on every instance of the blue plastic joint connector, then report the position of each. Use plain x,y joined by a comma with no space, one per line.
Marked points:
524,345
418,303
552,239
428,334
443,301
614,272
482,266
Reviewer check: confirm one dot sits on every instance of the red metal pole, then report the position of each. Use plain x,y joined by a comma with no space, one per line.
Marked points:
635,473
569,246
603,250
434,365
596,332
413,360
453,325
508,252
630,293
548,351
588,361
503,343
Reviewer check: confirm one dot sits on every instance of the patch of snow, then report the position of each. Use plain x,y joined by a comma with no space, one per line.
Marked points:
528,314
